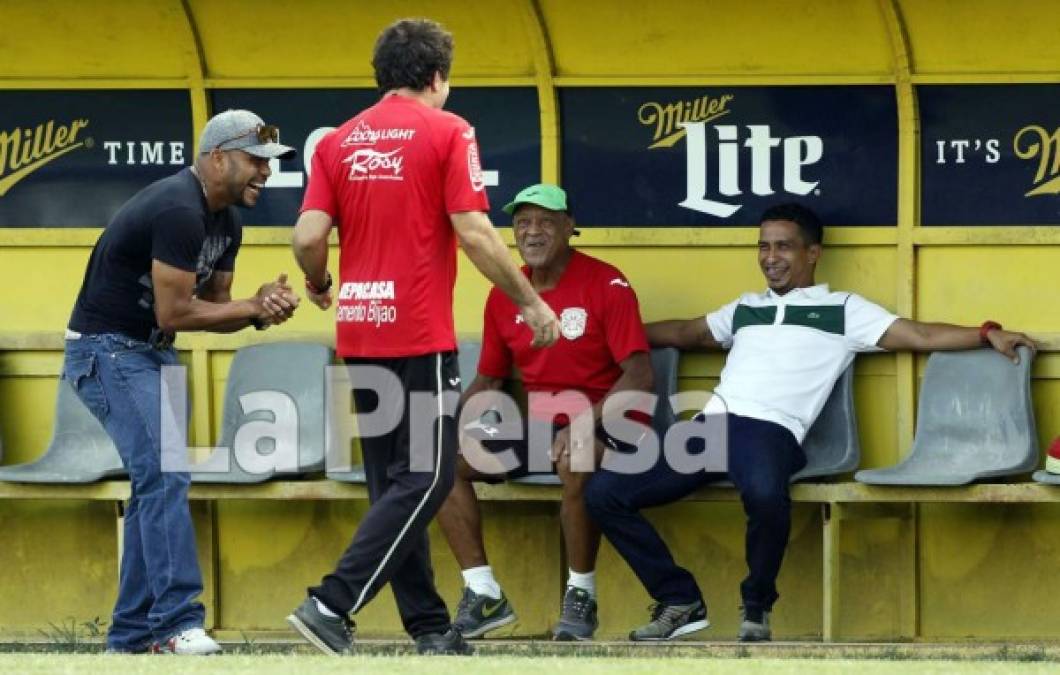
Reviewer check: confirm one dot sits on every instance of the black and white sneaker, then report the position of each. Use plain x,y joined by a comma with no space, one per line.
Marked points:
577,619
478,614
331,635
672,621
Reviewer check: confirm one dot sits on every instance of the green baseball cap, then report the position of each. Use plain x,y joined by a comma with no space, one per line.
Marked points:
545,195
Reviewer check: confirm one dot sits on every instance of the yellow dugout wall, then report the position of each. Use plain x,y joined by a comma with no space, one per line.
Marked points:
931,571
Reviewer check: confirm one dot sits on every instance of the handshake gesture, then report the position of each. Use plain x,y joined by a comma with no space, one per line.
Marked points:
275,302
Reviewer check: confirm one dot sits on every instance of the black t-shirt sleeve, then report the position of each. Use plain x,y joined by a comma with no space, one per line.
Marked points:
177,236
227,261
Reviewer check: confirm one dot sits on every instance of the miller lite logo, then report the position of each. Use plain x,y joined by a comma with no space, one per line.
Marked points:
714,153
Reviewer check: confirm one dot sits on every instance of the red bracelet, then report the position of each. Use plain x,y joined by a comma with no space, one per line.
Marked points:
986,328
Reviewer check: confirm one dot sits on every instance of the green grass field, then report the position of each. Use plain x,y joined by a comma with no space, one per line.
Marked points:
276,664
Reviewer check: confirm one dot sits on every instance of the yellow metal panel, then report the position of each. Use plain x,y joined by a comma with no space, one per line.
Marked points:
982,36
199,415
687,37
270,553
874,581
59,562
1005,235
986,568
322,38
544,68
54,274
118,38
205,543
28,411
875,404
470,297
970,284
32,364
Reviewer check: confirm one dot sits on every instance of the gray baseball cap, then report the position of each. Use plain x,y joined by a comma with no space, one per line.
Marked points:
243,130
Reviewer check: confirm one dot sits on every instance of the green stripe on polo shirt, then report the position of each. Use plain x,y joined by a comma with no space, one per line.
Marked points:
753,316
827,318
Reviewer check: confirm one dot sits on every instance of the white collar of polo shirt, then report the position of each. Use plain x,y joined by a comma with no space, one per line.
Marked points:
812,292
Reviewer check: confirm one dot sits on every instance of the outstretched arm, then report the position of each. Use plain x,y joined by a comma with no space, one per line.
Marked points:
918,336
685,334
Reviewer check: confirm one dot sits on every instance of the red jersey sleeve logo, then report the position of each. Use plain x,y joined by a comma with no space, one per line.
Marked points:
474,165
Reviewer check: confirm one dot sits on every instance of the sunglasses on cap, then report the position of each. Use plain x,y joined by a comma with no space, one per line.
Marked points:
265,133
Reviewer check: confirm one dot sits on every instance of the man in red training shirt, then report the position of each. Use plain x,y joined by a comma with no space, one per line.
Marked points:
402,182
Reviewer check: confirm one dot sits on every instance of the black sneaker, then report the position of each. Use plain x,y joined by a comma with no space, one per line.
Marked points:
671,621
450,642
331,635
754,625
577,620
478,614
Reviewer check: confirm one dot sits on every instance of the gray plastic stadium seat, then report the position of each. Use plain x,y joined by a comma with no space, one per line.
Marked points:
296,369
975,420
468,352
832,446
79,452
354,475
664,363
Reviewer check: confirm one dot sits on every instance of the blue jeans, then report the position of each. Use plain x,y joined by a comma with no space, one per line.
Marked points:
762,458
119,380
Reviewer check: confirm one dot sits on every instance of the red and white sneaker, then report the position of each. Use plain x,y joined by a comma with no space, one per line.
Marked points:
1052,460
189,642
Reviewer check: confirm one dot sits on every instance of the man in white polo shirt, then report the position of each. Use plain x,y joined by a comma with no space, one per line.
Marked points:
787,347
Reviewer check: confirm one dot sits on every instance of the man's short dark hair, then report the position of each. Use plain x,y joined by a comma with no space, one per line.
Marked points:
810,226
409,52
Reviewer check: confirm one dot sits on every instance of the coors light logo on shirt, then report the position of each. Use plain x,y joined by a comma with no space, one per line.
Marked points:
367,163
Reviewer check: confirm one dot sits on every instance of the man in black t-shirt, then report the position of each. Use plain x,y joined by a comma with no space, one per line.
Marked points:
165,264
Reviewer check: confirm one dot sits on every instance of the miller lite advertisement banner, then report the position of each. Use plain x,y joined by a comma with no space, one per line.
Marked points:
72,158
506,121
990,154
687,156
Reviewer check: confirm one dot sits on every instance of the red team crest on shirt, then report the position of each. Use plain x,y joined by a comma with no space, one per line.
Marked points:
572,322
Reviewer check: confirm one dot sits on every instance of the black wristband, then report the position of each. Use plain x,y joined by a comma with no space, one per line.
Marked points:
258,324
314,289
